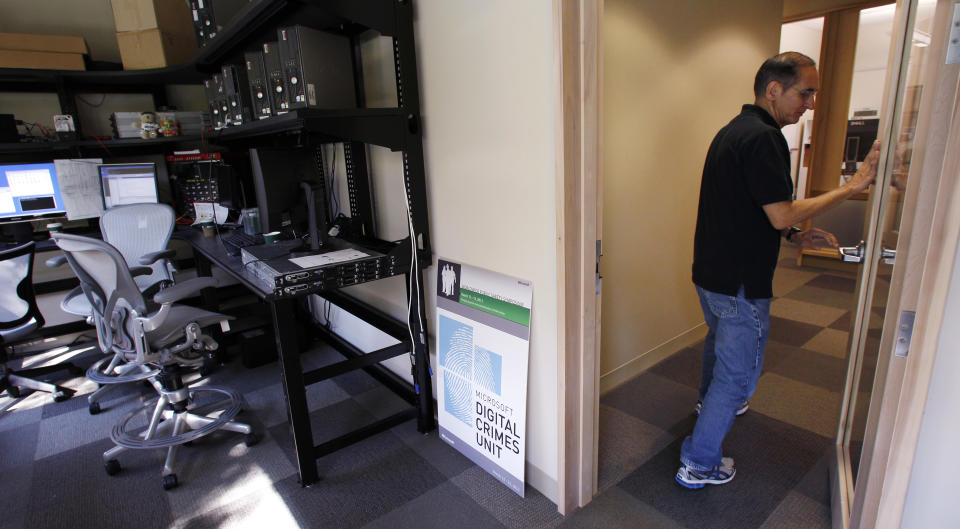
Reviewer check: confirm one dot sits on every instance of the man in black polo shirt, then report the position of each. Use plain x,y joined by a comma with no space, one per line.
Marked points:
746,206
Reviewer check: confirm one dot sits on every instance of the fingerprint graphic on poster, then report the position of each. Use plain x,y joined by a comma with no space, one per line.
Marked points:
483,332
456,358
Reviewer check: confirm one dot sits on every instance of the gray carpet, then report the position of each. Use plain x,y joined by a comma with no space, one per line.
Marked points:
53,474
51,464
780,445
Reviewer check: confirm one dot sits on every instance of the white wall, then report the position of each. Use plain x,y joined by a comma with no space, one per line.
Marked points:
870,61
931,497
674,73
487,88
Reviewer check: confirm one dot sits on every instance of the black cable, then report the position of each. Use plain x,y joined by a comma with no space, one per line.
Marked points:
334,201
102,99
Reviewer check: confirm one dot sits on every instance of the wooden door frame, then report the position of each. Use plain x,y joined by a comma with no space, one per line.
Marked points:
577,59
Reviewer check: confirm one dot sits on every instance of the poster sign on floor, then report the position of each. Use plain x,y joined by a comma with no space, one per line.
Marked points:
483,347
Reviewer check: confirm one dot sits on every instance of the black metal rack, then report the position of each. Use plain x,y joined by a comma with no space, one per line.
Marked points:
395,128
398,129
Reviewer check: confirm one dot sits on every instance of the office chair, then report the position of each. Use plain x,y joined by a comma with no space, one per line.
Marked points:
19,317
141,233
163,335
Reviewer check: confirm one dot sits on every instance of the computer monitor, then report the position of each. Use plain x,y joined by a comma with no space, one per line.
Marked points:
861,134
128,183
230,179
29,191
282,201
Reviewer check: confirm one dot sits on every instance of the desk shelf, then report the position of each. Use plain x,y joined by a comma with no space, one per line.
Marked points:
45,150
261,17
283,312
393,128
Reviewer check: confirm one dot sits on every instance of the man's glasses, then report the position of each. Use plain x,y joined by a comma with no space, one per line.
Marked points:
807,94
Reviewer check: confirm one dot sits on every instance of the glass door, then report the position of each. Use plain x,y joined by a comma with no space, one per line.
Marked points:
877,253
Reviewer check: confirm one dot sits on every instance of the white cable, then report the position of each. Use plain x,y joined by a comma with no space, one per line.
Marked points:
413,246
411,291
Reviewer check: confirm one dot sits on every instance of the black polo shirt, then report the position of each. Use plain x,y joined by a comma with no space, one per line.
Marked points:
747,167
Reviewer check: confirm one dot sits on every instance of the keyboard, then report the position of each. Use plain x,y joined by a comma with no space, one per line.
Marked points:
239,239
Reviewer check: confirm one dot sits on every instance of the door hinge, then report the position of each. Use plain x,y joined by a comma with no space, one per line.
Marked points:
599,253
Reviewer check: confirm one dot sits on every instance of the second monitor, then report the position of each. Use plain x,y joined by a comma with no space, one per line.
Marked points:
128,183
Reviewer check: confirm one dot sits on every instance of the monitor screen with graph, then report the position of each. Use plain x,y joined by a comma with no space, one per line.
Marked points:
128,183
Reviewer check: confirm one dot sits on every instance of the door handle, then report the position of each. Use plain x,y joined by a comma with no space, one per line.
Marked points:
888,255
852,254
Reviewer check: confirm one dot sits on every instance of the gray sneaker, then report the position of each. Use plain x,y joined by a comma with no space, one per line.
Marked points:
740,411
696,479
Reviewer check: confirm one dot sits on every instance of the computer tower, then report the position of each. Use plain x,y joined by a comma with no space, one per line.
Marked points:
212,16
237,94
260,103
274,75
216,103
317,68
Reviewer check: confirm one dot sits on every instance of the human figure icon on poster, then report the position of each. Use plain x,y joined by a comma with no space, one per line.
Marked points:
449,278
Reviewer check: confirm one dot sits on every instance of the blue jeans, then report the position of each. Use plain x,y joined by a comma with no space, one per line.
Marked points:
732,361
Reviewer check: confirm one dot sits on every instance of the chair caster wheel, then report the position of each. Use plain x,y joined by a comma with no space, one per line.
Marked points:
60,396
112,467
188,443
169,481
14,392
94,408
250,439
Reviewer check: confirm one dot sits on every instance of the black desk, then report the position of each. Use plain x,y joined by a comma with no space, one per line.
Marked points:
209,250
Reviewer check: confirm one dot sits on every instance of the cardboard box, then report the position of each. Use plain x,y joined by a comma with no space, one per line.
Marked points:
44,60
154,48
172,16
54,43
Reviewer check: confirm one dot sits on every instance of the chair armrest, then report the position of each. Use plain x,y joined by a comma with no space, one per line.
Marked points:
183,289
140,271
152,257
54,262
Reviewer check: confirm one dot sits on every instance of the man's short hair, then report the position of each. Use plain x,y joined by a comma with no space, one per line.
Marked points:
784,68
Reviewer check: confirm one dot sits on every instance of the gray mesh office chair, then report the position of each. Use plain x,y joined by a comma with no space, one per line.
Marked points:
165,336
19,318
141,233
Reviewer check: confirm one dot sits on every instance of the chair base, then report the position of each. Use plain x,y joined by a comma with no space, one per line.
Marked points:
115,372
16,380
172,425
